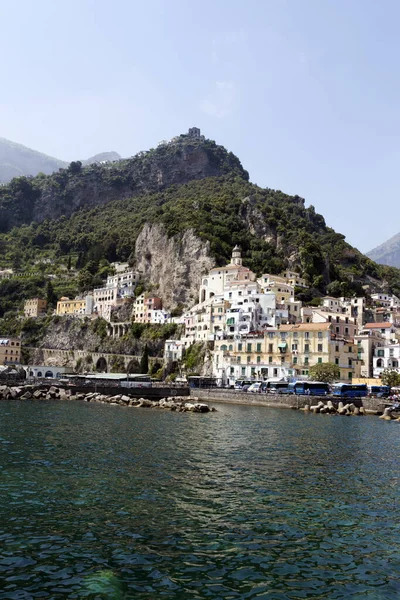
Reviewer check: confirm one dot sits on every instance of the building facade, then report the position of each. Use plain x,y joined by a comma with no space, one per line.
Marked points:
10,350
35,307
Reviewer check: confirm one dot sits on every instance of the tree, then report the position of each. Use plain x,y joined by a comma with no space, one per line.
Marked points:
327,372
75,167
85,280
69,263
51,296
144,361
390,377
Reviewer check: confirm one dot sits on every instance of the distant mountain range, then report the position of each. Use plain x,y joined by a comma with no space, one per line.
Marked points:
17,160
387,253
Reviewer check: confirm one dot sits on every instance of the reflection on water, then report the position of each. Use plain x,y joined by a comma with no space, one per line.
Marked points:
104,502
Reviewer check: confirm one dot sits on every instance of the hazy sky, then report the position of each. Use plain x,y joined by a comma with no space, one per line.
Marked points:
305,92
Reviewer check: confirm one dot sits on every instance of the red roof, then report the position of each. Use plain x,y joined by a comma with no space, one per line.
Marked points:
377,325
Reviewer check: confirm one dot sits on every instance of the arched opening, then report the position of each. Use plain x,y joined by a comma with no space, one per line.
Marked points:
156,366
202,295
49,374
133,367
58,375
101,365
39,374
379,363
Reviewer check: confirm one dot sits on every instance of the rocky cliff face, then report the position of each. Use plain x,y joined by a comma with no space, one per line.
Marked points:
77,187
175,265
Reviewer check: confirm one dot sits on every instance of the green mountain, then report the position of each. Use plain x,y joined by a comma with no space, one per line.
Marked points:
167,210
17,160
387,253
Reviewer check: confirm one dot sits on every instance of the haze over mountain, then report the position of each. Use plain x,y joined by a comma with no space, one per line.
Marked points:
387,253
17,160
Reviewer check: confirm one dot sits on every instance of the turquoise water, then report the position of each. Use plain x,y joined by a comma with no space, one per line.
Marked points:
100,502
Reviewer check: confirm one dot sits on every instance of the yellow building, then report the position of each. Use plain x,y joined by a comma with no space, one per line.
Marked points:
35,307
277,285
288,351
313,343
294,279
65,306
10,350
252,358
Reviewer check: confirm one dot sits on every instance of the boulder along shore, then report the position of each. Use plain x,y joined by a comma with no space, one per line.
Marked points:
173,403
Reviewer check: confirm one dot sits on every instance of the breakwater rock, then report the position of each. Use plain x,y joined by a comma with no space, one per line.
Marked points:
173,403
330,409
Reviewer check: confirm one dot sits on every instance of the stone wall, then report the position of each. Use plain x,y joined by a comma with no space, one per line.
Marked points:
375,405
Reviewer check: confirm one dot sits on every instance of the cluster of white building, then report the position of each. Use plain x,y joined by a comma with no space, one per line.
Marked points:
118,289
257,327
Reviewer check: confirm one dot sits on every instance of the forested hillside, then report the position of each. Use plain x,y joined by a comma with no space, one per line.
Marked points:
215,201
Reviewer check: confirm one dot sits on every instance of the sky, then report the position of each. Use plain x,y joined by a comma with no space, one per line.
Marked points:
305,92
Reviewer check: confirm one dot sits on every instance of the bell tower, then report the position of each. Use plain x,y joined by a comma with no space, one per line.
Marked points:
236,256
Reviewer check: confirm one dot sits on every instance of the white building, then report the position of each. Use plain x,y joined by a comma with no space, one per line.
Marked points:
173,350
386,300
386,357
215,282
387,330
159,317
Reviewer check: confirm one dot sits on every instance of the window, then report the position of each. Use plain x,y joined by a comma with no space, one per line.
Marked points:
270,359
258,359
258,348
294,346
336,348
295,360
346,330
319,361
240,347
350,362
350,349
306,347
248,347
306,335
319,347
249,359
306,360
270,348
320,335
350,375
243,370
230,347
337,329
381,353
336,361
238,360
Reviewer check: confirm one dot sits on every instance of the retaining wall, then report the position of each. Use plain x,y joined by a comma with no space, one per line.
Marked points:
283,400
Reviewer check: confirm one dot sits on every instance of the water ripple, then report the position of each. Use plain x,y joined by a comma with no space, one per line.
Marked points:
246,503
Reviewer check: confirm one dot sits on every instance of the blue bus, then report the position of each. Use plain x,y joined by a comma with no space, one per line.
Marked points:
379,391
311,388
349,390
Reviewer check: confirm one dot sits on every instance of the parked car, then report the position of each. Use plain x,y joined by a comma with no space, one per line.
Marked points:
257,387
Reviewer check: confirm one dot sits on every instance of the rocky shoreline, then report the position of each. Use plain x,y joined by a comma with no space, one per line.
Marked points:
175,403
